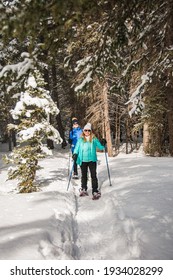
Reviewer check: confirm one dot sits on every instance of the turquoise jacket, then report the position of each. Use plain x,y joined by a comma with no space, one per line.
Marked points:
86,151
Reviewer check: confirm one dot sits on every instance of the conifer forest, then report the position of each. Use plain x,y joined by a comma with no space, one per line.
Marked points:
105,62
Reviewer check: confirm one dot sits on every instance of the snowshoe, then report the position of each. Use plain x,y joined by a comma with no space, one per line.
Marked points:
83,193
96,195
75,176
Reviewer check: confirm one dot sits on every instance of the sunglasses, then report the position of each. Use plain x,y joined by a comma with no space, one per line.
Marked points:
87,130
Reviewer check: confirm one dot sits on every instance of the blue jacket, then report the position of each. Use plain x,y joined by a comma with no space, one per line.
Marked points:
86,150
74,135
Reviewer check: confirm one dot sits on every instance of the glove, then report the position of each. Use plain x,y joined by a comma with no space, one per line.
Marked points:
74,157
103,142
70,141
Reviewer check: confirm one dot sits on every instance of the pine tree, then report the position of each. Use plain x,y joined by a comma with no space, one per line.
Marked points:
31,115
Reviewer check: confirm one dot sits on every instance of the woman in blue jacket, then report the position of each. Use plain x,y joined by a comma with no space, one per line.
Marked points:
86,156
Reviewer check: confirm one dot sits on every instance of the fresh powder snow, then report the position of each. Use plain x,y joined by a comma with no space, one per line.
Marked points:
133,219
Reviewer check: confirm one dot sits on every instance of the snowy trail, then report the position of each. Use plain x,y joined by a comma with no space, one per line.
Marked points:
132,220
103,229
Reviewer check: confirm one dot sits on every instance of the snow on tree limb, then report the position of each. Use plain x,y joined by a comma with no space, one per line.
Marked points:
136,97
20,68
84,82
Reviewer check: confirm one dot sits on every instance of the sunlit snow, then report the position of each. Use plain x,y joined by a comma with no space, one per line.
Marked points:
132,220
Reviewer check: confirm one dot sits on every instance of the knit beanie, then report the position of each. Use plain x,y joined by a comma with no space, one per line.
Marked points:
87,126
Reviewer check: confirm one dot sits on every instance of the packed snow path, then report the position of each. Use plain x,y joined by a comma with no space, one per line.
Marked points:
132,220
104,232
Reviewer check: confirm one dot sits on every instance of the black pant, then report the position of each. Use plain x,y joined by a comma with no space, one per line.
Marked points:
84,169
75,168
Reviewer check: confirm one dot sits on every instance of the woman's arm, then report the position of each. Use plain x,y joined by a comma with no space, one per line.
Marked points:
99,145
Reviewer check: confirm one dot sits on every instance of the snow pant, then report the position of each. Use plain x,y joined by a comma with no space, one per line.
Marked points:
84,170
75,171
75,168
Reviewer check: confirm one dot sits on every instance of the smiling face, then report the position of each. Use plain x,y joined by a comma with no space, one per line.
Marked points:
87,132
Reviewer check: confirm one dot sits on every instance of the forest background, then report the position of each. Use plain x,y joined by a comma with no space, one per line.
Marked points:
104,62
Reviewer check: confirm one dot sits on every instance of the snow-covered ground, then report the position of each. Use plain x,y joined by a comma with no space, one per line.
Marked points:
133,220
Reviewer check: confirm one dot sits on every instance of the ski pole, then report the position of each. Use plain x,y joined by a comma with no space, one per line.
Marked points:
69,162
70,176
108,168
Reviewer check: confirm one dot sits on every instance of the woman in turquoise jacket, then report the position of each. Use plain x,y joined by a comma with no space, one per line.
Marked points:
86,156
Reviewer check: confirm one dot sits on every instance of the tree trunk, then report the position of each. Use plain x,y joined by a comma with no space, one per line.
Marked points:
145,137
13,135
169,43
46,78
9,144
56,100
170,119
106,119
117,128
128,136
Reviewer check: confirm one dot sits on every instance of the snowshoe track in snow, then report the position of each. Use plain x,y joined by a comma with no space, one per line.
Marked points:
116,224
